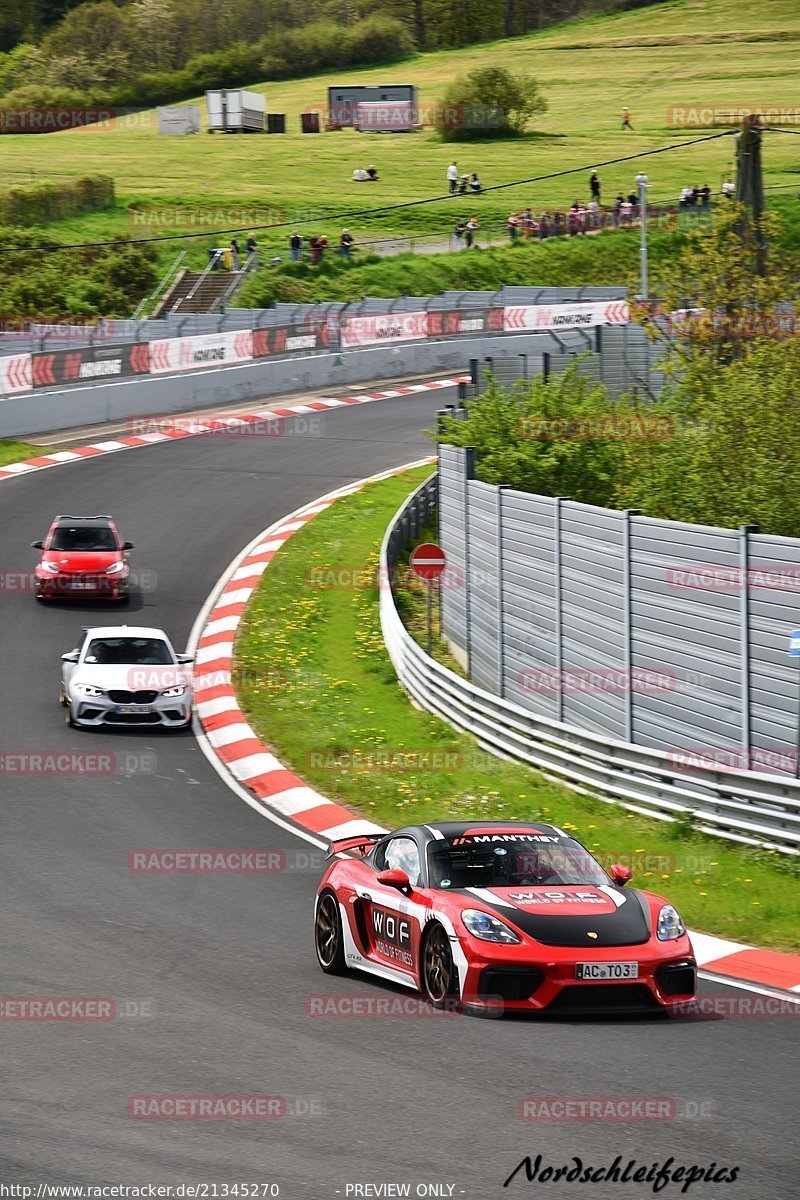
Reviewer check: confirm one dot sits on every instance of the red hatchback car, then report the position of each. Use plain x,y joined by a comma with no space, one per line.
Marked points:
82,557
494,917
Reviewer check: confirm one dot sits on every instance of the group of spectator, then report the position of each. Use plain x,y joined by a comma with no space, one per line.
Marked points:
463,185
465,231
317,245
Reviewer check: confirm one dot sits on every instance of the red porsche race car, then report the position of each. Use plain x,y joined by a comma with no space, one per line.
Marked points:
497,916
82,557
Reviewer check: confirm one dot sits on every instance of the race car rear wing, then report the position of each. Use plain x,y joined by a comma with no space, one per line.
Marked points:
363,842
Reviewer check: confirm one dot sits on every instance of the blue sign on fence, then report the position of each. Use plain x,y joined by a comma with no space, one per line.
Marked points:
794,643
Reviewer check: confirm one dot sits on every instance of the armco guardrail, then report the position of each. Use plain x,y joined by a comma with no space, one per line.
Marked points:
153,348
747,807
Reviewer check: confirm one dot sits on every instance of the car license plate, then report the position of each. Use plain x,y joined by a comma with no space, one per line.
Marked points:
132,708
599,970
83,584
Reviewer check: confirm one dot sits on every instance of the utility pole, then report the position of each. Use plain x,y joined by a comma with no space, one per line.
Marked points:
641,183
750,183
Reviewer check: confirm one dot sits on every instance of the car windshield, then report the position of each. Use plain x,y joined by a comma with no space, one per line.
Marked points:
128,651
86,538
479,861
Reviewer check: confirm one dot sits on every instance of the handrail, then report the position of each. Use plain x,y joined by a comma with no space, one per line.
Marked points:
236,282
212,262
749,807
172,270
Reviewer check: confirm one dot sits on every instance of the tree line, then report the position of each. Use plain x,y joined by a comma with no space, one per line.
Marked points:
155,51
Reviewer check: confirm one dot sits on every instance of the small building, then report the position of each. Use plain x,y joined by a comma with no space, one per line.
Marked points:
344,100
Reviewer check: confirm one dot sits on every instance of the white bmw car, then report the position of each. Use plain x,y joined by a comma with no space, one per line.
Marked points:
124,675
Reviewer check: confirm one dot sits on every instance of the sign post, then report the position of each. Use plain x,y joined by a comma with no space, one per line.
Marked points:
794,652
428,561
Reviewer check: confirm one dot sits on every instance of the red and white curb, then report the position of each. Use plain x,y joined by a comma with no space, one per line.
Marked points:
226,734
246,764
176,427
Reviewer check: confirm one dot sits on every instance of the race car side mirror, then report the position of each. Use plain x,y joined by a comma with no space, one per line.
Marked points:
620,874
395,878
129,545
37,545
72,656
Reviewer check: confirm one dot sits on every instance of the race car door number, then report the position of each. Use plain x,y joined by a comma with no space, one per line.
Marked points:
597,970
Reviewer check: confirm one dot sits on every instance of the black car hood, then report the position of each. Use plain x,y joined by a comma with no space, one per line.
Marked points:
567,921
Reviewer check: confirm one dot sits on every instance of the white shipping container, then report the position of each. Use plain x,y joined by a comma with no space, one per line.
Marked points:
236,112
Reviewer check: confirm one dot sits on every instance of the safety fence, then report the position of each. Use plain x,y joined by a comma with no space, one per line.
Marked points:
48,357
752,807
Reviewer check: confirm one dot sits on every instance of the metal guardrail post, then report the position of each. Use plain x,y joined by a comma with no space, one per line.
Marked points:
469,474
501,632
744,634
627,632
559,614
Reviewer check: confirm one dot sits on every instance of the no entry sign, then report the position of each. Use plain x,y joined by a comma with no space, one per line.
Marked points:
428,560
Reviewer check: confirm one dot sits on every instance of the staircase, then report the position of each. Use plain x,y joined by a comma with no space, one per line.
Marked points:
195,292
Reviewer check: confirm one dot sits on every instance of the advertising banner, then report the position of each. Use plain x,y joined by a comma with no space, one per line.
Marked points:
378,328
88,363
541,317
201,350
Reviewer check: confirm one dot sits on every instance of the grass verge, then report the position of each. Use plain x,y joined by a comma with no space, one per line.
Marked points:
11,452
320,689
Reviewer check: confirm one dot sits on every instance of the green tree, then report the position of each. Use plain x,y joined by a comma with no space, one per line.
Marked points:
492,103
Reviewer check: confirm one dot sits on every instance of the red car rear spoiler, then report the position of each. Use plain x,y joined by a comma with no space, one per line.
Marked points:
363,843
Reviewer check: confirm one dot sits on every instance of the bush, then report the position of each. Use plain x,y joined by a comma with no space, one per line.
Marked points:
44,202
491,102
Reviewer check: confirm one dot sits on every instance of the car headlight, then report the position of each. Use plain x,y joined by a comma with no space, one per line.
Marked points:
52,567
174,691
670,926
486,927
115,568
88,689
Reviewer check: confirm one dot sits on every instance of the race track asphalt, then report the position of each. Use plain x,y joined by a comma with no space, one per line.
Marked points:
224,964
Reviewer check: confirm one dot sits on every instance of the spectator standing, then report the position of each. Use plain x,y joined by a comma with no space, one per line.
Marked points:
461,228
512,226
452,177
573,220
686,197
469,234
236,258
295,247
626,120
251,247
346,243
705,196
545,225
728,189
625,212
527,224
594,186
695,196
